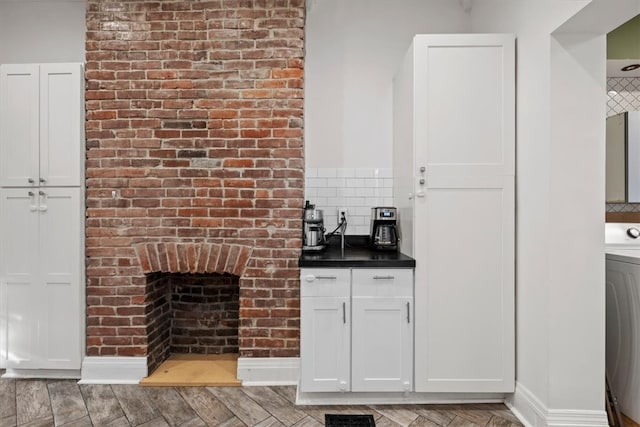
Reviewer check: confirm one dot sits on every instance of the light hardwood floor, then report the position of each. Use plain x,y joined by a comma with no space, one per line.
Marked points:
37,403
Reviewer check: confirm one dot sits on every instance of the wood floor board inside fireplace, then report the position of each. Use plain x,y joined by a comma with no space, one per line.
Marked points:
183,370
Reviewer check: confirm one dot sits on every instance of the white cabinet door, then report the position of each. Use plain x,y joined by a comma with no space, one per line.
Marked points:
382,338
60,272
461,208
61,124
382,332
19,125
40,288
324,344
20,296
325,327
41,125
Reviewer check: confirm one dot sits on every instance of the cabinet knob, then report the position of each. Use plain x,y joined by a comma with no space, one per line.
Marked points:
30,180
42,180
633,232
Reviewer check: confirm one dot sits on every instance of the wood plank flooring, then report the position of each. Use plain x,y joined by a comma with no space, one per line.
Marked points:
36,403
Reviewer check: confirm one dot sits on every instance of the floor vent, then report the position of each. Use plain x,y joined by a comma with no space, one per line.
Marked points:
340,420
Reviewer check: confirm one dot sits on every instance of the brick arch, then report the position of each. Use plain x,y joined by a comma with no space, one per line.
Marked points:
193,257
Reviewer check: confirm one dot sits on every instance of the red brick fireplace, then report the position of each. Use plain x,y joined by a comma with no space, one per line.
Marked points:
194,165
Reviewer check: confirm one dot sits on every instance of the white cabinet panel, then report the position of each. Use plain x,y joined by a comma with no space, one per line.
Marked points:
382,339
460,207
466,326
325,343
18,278
41,125
60,272
19,125
61,126
465,104
40,272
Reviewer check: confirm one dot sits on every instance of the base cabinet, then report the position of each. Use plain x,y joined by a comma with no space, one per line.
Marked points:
356,330
40,278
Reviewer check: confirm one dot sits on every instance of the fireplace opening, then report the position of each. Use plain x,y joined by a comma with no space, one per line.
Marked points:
191,314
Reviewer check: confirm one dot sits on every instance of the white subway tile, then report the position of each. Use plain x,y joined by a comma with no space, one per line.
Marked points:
365,172
363,211
311,172
327,192
319,202
335,202
346,173
357,220
326,172
388,183
374,201
336,182
318,182
361,230
356,201
348,191
355,182
371,183
366,192
310,193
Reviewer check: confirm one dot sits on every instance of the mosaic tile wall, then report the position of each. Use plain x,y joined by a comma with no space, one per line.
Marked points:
625,98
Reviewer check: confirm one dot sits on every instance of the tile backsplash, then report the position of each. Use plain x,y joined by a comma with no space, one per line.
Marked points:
626,97
356,189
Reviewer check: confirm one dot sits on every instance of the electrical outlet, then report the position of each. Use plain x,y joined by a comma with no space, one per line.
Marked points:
342,212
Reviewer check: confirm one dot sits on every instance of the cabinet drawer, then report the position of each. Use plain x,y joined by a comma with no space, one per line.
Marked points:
383,282
325,282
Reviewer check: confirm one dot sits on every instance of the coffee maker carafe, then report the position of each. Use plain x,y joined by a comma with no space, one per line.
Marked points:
313,228
384,228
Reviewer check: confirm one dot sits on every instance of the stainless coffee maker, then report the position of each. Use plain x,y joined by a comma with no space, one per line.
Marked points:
384,228
313,229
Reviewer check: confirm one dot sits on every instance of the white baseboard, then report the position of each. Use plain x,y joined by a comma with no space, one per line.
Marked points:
533,413
113,370
66,374
268,370
394,398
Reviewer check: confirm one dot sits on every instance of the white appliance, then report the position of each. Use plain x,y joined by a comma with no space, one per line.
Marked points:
623,315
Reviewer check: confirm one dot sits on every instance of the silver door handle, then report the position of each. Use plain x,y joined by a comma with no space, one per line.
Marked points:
408,312
326,277
344,312
383,277
32,205
43,206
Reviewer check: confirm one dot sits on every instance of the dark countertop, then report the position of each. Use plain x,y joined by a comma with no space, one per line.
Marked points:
355,256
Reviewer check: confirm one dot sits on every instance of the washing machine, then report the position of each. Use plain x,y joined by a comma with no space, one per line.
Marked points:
622,247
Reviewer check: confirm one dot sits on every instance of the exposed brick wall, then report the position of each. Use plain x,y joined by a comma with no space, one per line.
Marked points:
194,135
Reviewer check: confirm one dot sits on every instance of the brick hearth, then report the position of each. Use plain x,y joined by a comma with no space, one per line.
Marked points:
194,163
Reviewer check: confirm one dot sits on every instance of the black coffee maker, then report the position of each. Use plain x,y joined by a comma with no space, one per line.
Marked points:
384,228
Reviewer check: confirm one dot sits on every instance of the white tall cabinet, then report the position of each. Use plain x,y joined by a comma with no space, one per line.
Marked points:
454,166
41,217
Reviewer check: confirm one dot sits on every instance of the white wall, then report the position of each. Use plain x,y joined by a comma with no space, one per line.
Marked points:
353,49
42,31
560,203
